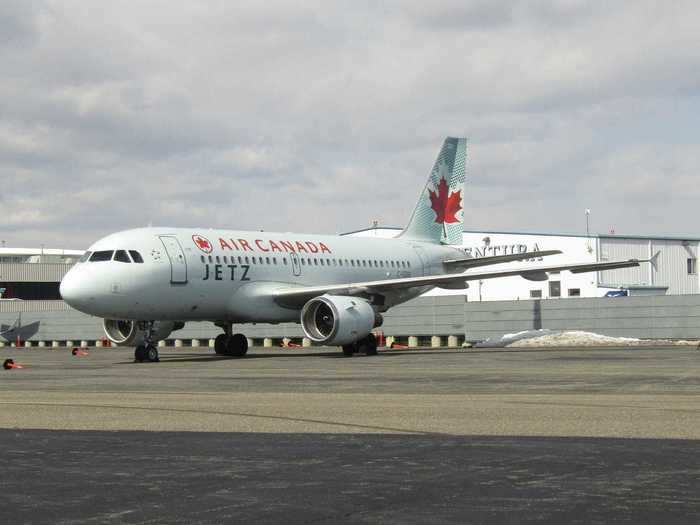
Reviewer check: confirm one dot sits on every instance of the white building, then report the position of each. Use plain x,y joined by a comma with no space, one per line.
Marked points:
675,272
35,273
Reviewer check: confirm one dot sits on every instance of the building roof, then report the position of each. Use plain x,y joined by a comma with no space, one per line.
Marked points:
39,251
550,234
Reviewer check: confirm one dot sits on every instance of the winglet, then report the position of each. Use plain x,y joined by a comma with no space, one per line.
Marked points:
654,260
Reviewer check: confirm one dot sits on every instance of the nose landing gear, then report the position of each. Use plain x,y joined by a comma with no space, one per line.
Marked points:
147,351
234,345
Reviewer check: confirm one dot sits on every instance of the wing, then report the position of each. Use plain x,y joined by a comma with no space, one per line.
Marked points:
300,294
473,262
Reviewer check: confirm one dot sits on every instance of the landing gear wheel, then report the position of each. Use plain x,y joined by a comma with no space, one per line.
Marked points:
368,345
237,345
152,354
349,350
140,354
220,344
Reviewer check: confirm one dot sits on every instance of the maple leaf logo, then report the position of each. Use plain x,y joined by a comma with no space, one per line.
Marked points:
202,243
444,204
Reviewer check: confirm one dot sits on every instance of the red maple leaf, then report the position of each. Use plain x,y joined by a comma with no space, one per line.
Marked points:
202,243
444,206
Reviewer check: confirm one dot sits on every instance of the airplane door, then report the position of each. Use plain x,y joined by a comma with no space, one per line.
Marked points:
296,266
422,257
178,263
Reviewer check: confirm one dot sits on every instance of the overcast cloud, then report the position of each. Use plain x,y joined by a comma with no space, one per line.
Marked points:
265,115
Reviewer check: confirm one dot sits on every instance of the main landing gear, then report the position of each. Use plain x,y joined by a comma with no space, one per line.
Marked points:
234,345
367,345
147,351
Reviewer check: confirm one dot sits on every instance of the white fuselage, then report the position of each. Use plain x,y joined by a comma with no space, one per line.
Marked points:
228,275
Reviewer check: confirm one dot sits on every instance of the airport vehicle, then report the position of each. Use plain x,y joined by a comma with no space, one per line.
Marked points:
148,282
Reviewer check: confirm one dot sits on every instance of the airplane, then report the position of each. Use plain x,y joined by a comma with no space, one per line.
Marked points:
147,282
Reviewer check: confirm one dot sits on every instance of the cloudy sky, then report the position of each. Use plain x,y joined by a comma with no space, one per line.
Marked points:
265,115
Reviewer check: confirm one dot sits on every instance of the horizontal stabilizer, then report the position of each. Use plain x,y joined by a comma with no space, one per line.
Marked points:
474,262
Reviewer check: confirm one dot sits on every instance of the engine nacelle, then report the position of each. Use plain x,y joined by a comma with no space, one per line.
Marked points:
337,319
127,333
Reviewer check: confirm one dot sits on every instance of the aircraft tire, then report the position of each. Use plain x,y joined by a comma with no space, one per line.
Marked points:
368,345
140,354
151,354
220,346
237,345
349,350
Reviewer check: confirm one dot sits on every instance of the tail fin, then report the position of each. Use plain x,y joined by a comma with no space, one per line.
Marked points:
439,214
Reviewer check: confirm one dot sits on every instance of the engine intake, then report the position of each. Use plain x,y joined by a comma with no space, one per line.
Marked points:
126,333
338,319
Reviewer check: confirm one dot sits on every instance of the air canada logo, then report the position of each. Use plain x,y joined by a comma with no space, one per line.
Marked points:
202,243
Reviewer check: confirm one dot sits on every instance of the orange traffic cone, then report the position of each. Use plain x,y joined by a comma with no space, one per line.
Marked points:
10,364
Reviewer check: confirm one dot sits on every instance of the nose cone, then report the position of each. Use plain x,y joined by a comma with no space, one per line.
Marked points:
71,290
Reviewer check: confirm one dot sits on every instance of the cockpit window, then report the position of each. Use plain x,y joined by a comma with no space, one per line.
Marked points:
121,256
101,256
136,256
85,257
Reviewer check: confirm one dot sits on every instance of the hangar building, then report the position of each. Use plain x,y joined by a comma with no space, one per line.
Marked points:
674,273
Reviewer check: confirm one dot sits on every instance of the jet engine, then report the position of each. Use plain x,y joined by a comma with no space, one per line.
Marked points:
338,319
126,333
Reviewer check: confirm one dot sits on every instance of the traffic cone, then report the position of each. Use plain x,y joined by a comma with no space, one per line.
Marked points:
10,364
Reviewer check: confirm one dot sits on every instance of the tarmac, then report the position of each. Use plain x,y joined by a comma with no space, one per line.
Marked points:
577,435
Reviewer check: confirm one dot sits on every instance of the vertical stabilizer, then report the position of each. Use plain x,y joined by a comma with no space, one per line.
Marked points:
439,214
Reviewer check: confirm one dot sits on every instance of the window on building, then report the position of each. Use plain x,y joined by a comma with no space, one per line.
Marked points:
555,288
574,292
535,294
692,266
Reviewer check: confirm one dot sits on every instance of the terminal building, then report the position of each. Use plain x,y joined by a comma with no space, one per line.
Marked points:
31,308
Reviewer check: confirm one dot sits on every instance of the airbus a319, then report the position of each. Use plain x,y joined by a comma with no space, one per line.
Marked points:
148,282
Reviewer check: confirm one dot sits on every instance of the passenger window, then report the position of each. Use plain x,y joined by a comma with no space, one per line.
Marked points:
315,262
121,256
340,262
284,260
240,261
101,256
260,260
203,259
246,260
274,260
353,262
303,262
85,257
267,260
218,261
211,259
225,259
136,256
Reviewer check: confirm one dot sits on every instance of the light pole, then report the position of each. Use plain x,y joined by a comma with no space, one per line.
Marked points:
588,214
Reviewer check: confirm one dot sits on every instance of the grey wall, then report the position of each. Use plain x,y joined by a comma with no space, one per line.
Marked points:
642,316
647,317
